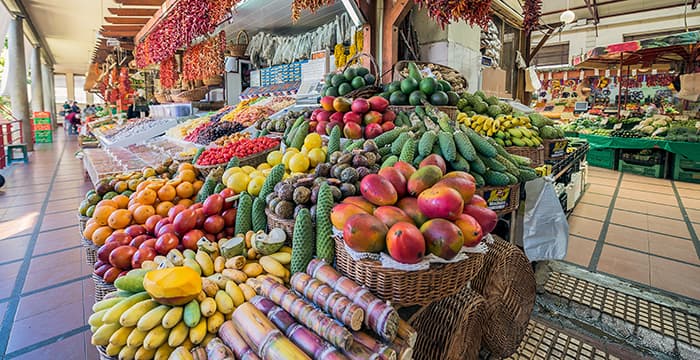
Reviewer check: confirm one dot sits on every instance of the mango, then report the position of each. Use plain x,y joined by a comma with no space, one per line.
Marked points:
423,179
378,190
342,212
365,233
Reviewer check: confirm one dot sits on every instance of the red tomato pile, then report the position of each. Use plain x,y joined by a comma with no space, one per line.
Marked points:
241,149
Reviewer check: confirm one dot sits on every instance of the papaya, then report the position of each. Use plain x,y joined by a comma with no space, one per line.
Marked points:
173,286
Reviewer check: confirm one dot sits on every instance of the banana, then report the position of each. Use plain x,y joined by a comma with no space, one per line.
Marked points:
96,318
152,318
128,353
178,334
106,304
119,337
155,338
198,332
104,333
496,125
163,352
172,317
144,354
181,353
113,315
135,339
487,123
113,350
131,316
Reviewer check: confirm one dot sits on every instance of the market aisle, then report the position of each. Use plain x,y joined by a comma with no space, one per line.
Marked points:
640,229
45,289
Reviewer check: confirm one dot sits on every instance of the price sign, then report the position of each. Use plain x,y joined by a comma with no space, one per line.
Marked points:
604,122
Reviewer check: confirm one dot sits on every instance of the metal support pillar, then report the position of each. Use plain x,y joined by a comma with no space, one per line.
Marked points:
18,79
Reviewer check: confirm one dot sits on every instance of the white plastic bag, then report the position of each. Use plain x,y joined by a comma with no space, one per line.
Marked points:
545,228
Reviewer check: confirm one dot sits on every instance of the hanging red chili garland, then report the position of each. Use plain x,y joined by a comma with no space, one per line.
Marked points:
205,60
474,12
532,10
168,73
311,5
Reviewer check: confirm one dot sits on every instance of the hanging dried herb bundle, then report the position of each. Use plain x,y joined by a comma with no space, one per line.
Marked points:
474,12
311,5
532,10
205,60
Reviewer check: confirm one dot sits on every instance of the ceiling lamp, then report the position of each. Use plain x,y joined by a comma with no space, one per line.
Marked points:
354,12
568,16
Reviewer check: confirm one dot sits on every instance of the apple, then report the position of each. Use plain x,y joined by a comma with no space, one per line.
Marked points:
160,224
174,211
372,131
321,127
214,224
388,116
111,274
186,219
120,238
142,255
137,241
166,242
189,240
151,243
323,116
121,257
135,230
360,106
104,251
352,117
336,117
166,229
229,217
213,205
315,113
227,193
151,222
352,131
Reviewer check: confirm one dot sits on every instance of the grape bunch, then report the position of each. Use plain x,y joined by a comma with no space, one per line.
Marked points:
217,130
221,113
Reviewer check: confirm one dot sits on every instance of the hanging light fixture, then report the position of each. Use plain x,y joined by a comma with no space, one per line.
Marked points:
568,16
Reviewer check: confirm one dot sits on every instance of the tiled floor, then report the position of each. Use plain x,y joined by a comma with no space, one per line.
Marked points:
45,290
645,237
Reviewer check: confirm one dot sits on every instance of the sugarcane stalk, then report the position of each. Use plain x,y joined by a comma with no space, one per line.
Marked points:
217,350
331,301
407,333
379,316
230,336
305,339
357,351
385,352
403,351
307,314
262,335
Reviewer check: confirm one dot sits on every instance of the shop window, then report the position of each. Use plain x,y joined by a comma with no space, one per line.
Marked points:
552,55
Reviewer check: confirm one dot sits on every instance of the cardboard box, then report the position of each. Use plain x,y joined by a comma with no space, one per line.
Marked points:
493,80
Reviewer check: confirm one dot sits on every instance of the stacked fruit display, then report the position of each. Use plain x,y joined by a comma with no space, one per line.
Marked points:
480,104
416,89
242,148
359,118
182,130
507,130
280,125
410,212
341,84
182,298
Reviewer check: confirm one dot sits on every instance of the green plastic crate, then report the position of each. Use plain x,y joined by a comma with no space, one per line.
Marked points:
685,169
687,176
656,171
684,163
604,158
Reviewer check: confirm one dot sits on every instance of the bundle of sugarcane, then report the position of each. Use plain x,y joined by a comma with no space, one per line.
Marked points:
331,301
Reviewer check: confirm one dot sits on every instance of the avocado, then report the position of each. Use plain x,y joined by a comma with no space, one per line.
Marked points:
331,91
408,85
453,98
398,98
361,71
439,98
337,79
416,98
428,86
344,89
438,87
445,85
394,86
385,95
358,82
370,79
349,73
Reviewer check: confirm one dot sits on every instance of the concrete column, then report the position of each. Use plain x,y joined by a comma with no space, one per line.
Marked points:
70,86
47,91
18,79
37,81
89,98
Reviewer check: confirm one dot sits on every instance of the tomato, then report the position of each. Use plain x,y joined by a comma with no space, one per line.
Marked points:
166,242
121,257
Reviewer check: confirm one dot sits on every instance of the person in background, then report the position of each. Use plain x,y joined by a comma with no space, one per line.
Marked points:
90,110
66,107
75,108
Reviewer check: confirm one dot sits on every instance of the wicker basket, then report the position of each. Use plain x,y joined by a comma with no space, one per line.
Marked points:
371,89
214,81
554,149
82,222
274,221
501,203
451,111
536,154
101,288
90,251
407,288
206,169
238,49
191,95
450,328
162,98
252,160
507,282
461,80
103,353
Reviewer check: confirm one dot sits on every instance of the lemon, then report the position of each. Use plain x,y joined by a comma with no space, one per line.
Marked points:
248,169
299,163
313,141
264,166
305,150
316,156
274,158
256,173
287,156
255,185
291,149
238,182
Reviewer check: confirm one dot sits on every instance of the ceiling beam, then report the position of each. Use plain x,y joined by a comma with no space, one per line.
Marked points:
140,2
539,46
126,20
119,34
580,7
121,28
133,11
12,6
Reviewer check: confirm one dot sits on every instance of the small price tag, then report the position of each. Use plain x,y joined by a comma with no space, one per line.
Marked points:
604,121
617,126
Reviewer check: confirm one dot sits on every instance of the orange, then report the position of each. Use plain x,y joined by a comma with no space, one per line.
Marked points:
197,185
185,166
100,235
174,182
122,201
187,175
185,190
121,186
102,214
146,197
90,221
167,192
134,184
185,202
163,207
142,213
107,202
141,186
119,219
90,229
